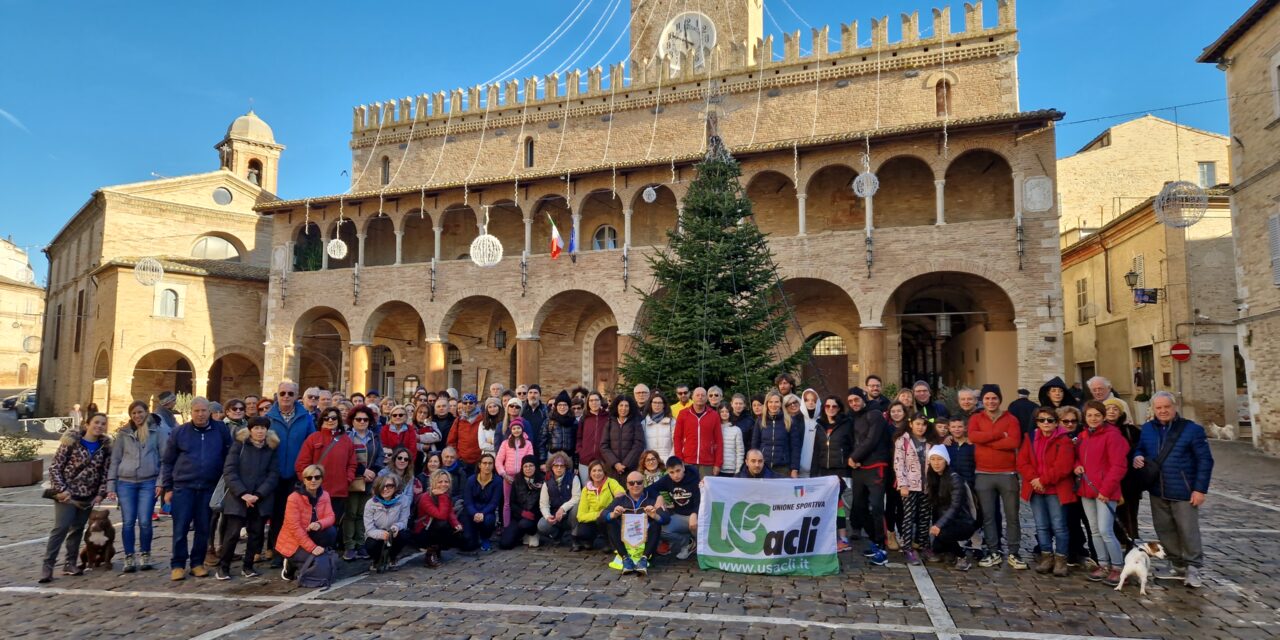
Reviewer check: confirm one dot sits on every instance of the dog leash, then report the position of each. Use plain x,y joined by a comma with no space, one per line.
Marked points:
1115,519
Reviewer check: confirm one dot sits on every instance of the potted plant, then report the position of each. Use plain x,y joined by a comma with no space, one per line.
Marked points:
20,463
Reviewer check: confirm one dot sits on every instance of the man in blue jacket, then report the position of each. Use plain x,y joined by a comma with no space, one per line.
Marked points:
1180,487
189,471
292,423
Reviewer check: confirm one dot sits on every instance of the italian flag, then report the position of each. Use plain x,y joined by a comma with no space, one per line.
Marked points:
557,242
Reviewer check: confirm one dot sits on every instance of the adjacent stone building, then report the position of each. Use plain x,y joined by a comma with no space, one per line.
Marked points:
1128,163
949,272
1247,52
21,306
110,338
1108,333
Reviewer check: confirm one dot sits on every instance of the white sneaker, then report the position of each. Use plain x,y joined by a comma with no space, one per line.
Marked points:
531,541
685,551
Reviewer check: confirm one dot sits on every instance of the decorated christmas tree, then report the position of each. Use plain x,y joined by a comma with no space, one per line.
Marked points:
717,313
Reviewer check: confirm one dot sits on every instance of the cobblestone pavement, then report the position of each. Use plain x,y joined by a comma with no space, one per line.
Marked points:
552,593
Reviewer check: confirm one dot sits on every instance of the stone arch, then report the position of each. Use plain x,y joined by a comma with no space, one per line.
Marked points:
321,337
818,304
344,230
506,223
906,195
773,198
932,79
650,222
470,324
231,238
830,203
561,324
418,243
458,223
308,246
589,335
233,373
556,206
163,366
877,300
979,187
379,241
599,208
557,294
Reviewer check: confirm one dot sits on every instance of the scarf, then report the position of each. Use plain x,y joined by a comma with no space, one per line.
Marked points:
387,503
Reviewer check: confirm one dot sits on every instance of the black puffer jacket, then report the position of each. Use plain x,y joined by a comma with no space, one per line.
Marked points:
832,444
250,469
872,438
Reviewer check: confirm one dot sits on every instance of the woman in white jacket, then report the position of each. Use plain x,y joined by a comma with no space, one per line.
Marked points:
658,427
386,523
734,451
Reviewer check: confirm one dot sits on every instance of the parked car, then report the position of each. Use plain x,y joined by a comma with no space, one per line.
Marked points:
12,401
25,406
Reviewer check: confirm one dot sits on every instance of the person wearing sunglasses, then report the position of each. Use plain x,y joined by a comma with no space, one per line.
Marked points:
1079,550
400,465
333,450
1044,462
292,424
778,437
636,502
832,446
369,461
386,519
682,400
397,433
558,500
308,525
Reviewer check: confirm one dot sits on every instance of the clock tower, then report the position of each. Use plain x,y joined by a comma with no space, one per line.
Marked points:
693,27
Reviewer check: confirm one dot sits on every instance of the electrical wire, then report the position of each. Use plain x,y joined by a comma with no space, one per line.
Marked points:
537,51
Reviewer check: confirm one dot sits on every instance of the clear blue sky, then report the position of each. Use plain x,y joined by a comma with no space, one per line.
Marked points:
101,93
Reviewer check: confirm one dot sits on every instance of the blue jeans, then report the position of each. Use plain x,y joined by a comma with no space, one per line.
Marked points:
1051,523
137,501
190,511
1102,522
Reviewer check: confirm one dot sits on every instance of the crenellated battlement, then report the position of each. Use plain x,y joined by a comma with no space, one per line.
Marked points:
731,66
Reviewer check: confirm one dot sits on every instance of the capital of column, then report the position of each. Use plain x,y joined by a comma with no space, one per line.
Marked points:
360,344
528,337
802,196
360,236
939,183
871,326
399,232
626,212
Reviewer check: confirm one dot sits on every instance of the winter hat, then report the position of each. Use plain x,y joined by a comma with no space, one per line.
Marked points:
990,388
857,391
529,459
514,402
940,451
1024,393
535,387
519,421
166,397
470,397
563,396
1114,401
215,407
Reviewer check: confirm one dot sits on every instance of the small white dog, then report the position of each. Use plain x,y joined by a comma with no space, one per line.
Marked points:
1138,563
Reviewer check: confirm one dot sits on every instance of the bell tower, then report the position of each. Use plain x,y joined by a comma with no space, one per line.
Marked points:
732,21
249,150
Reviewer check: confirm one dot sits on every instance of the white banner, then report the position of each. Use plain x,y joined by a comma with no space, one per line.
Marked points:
773,527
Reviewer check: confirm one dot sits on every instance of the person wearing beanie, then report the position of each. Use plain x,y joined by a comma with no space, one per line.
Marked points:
560,432
996,436
526,493
465,433
508,463
954,514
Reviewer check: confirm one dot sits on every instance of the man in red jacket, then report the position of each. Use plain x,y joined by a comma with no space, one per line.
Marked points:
698,439
996,435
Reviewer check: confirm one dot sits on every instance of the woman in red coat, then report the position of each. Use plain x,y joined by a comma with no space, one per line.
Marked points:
436,526
308,526
1044,462
1102,457
333,450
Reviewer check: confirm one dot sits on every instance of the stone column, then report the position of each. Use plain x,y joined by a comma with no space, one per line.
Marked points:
360,245
871,357
680,217
399,245
870,213
324,252
528,236
800,210
577,232
526,359
200,387
437,374
438,231
361,357
940,201
1017,196
626,226
288,257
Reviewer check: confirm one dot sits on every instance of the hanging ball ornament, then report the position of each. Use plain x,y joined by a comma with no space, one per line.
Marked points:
1181,204
866,185
148,272
337,249
486,250
650,195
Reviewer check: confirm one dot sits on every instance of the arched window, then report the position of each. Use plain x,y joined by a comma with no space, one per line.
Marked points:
528,152
386,170
942,97
606,237
832,345
255,172
169,303
215,248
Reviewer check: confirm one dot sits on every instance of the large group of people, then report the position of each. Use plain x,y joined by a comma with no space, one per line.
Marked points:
305,473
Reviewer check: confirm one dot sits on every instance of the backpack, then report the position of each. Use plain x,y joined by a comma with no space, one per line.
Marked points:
318,571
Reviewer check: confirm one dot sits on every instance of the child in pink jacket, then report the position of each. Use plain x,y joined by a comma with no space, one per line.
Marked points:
508,462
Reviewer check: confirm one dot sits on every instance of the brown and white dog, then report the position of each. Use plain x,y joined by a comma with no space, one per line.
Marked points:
99,540
1138,563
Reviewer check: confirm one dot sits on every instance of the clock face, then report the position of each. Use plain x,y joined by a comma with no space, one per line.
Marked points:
690,33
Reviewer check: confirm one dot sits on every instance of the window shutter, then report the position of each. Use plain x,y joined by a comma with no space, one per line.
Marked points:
1273,229
1140,268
